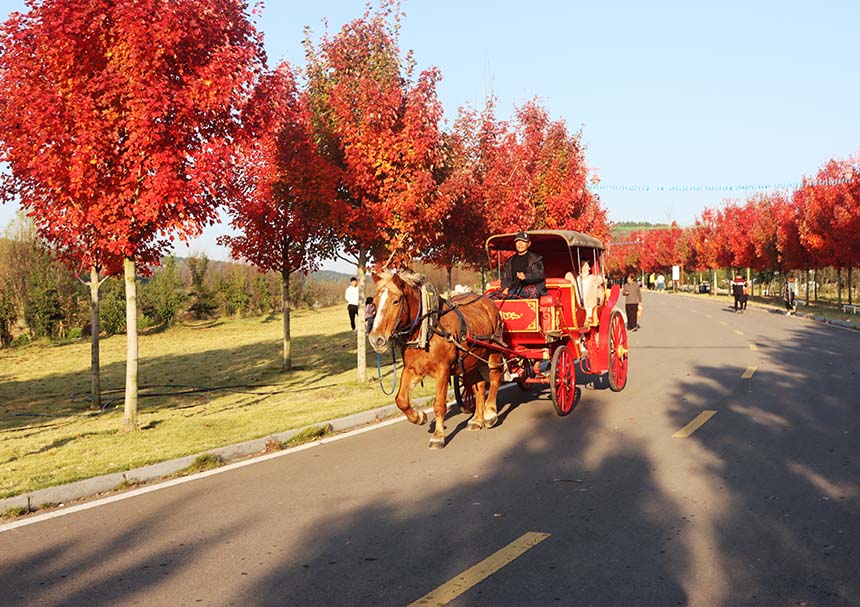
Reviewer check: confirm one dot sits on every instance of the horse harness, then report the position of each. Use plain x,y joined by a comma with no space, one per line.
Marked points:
427,323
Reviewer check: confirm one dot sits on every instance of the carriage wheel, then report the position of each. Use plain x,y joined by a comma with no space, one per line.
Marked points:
563,380
527,373
465,396
617,352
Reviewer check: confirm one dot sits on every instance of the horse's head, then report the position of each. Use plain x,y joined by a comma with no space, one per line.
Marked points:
397,306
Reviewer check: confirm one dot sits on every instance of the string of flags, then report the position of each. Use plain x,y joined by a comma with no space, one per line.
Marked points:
714,188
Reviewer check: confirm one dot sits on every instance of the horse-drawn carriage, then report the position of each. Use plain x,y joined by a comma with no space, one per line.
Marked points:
482,338
547,335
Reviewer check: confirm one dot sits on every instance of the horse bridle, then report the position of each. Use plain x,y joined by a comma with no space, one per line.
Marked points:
399,334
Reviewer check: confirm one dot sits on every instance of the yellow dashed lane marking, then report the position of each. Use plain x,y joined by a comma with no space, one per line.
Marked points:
749,372
450,590
753,347
694,425
738,332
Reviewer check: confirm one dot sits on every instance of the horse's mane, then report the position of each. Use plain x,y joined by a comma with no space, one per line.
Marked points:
412,279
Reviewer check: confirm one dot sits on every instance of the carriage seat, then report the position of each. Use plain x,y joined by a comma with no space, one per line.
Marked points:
550,300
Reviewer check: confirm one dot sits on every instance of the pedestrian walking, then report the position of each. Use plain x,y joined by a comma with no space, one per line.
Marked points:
739,286
633,302
789,296
351,297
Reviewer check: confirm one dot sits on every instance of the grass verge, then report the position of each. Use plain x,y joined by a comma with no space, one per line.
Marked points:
202,386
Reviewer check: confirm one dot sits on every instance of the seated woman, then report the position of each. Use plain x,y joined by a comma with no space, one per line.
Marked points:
591,290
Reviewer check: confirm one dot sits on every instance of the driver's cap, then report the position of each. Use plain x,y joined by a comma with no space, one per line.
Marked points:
522,236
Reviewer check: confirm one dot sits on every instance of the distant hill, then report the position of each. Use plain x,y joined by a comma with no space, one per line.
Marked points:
625,227
330,276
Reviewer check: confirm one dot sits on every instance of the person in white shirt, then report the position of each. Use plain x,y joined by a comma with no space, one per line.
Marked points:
351,297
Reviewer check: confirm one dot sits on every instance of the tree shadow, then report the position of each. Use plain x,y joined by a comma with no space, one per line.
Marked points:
784,447
129,562
421,518
168,381
391,552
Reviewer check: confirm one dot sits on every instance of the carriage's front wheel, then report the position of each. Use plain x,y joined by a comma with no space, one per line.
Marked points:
563,380
464,395
617,352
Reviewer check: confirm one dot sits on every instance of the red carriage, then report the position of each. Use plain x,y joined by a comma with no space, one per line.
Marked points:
575,325
481,339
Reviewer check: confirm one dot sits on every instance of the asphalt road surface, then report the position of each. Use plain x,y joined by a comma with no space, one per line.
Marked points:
726,474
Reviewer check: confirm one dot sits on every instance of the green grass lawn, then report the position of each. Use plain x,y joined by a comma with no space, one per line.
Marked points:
49,436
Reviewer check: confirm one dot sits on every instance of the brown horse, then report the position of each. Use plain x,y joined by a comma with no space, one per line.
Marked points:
446,326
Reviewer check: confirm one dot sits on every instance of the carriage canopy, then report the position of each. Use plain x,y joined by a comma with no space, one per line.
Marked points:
562,250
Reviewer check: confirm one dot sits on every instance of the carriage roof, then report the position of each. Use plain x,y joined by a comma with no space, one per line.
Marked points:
546,240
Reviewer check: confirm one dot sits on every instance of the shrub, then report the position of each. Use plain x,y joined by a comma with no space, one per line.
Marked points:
112,307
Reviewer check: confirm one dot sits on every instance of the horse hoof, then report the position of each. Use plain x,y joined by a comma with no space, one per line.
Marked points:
437,443
422,418
474,425
489,423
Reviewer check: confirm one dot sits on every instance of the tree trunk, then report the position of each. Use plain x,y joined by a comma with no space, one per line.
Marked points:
450,282
815,284
285,308
807,286
360,338
849,286
95,389
839,286
130,419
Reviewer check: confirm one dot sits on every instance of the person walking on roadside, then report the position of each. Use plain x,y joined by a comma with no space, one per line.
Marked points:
739,287
351,297
789,296
633,302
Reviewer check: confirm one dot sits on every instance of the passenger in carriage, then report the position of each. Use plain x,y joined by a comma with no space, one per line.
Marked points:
523,274
591,290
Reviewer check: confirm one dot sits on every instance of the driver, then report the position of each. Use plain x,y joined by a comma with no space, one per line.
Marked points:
522,274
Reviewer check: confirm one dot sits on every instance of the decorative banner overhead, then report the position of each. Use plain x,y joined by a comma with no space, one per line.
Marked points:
608,187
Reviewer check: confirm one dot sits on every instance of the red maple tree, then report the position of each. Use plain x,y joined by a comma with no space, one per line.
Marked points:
555,160
285,210
462,233
379,124
117,118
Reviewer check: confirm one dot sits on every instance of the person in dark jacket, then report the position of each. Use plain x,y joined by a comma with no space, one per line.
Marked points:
789,296
523,274
739,287
633,302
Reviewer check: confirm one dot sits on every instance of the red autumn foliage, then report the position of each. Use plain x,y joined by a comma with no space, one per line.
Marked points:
380,126
115,118
285,208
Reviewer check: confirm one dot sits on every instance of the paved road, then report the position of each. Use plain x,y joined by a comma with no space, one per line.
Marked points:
760,505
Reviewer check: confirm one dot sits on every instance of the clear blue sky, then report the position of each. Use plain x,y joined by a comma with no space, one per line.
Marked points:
669,94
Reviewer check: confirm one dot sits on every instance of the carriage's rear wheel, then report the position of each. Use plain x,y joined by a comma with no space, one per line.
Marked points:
563,380
617,352
464,395
528,372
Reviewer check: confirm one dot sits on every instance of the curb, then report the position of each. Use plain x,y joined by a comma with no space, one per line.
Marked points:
62,494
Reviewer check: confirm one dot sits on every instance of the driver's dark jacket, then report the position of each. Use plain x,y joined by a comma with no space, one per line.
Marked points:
534,275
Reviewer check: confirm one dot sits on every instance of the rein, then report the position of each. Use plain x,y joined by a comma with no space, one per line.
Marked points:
394,371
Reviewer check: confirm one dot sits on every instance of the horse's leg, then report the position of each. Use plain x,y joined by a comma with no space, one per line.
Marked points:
477,421
491,415
408,381
440,408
